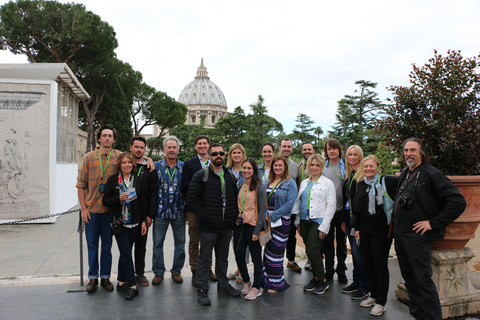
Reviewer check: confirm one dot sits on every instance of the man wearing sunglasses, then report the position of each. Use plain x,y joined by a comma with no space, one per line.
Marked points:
212,195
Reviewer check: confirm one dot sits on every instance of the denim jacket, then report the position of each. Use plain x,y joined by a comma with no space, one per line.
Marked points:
285,195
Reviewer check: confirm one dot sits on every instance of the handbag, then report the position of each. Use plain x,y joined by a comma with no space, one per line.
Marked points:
117,227
265,235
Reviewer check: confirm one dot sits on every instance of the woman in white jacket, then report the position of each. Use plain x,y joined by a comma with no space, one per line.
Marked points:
315,208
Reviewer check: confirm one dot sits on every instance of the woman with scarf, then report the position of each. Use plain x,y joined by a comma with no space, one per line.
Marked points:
371,229
128,212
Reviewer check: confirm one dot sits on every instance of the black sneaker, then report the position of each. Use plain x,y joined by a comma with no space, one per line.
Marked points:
131,294
231,291
311,285
350,289
122,288
321,287
203,298
357,295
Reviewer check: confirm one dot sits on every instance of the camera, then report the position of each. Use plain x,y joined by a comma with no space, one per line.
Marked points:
405,202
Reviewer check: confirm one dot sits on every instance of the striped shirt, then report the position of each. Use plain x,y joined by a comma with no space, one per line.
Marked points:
89,178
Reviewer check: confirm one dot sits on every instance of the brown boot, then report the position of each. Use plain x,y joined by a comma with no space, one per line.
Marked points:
212,277
194,277
92,285
106,284
157,280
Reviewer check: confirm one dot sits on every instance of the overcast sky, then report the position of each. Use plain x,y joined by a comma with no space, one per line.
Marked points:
302,56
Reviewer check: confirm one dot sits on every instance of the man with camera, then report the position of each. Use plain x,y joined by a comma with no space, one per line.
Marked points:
426,203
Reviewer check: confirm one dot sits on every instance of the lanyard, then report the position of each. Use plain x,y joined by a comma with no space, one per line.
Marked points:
304,173
271,192
244,194
331,168
350,179
102,168
222,179
139,171
204,164
168,172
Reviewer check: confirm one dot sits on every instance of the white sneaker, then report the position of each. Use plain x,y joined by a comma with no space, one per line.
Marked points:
367,303
254,293
378,310
246,288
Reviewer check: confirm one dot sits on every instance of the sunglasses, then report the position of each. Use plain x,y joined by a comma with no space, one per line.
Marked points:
214,154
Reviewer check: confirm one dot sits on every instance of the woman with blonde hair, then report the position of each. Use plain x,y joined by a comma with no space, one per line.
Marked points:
315,207
371,228
359,287
281,194
235,158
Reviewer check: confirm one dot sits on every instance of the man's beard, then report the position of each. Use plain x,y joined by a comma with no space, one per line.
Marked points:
218,162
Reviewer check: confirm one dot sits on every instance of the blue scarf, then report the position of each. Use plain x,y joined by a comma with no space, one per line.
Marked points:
374,185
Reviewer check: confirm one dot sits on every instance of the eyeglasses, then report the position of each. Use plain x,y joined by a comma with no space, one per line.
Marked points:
214,154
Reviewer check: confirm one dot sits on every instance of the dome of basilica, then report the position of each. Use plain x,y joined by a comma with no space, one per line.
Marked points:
203,98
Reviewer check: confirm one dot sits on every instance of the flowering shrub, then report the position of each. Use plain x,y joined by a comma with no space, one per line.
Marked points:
441,107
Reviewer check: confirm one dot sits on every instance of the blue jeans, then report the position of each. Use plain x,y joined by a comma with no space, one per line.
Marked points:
125,242
360,277
99,228
160,227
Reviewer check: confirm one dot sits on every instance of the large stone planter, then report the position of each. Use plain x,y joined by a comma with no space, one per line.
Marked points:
458,296
463,229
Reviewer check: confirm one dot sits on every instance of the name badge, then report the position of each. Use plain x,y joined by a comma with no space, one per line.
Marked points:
347,205
101,187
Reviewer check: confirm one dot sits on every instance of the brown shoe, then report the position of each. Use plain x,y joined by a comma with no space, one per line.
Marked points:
106,284
92,285
194,277
141,280
157,280
294,266
212,277
177,278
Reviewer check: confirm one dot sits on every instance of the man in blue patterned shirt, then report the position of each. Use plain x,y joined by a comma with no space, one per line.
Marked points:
170,212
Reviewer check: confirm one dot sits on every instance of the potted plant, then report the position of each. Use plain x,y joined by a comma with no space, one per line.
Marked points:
442,107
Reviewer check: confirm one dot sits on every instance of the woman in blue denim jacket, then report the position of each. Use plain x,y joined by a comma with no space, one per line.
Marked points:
281,195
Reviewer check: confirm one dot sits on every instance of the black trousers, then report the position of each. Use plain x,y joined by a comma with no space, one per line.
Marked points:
329,247
220,241
242,238
375,249
292,240
140,251
415,261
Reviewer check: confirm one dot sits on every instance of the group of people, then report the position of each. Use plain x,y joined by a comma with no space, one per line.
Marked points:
259,209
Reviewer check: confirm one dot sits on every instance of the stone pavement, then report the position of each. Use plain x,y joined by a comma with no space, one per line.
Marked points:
40,274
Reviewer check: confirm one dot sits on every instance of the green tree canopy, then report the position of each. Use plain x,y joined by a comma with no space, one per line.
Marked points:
50,31
355,118
115,112
441,107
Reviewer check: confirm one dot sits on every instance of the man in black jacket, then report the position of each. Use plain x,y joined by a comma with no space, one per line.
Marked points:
148,180
212,195
190,167
426,203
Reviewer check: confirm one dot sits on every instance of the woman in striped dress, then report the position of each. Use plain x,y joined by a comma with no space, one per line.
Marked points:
281,195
